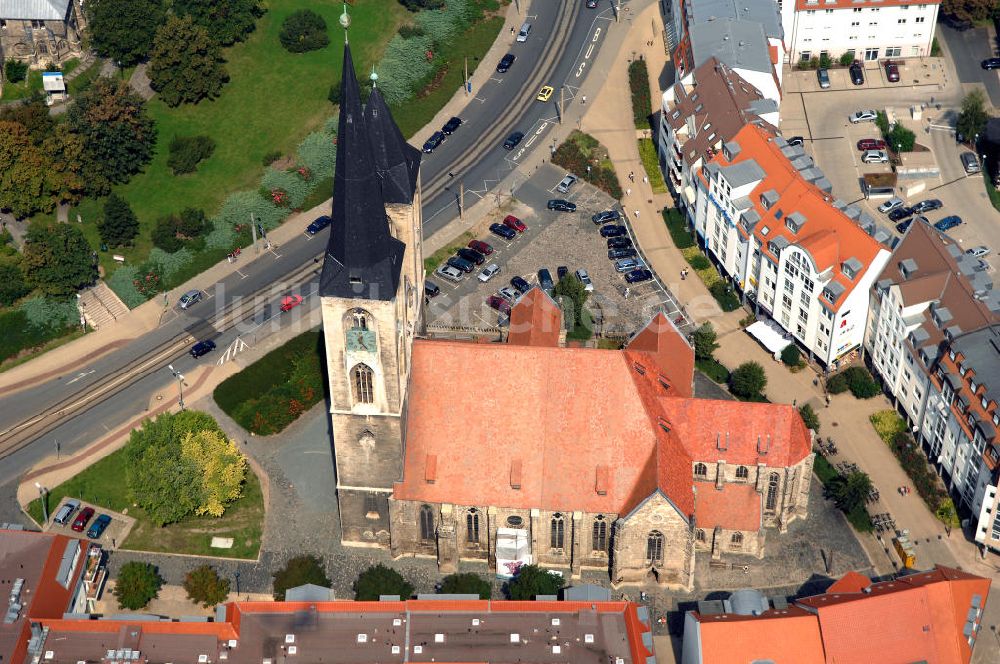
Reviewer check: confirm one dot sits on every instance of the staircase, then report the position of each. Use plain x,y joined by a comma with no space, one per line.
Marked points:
100,306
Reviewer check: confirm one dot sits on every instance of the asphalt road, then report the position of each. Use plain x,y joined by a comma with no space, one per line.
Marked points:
969,48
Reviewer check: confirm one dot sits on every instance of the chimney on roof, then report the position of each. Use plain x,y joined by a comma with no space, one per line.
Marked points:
515,474
430,468
767,445
601,485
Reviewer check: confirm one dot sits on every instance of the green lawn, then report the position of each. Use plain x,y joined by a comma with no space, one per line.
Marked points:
22,90
651,164
102,484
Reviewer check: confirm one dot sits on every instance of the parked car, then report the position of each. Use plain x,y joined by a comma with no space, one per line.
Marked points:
189,299
795,140
970,162
498,303
981,266
489,272
451,126
978,252
99,526
591,4
948,223
431,289
890,205
512,140
615,254
638,276
450,273
857,73
545,280
900,213
481,247
561,272
875,157
520,284
503,231
68,509
202,348
561,205
512,222
871,144
619,242
584,278
927,206
436,139
472,256
461,264
82,519
606,216
319,224
991,63
891,71
628,264
862,116
289,302
823,75
613,231
505,63
904,225
522,34
566,183
508,294
545,93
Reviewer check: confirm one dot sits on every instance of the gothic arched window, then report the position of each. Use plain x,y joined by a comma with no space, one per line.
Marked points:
737,540
700,470
654,547
360,319
600,535
699,535
363,381
557,531
742,473
772,491
472,526
426,522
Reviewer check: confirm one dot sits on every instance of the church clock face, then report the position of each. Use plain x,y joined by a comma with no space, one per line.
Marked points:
361,340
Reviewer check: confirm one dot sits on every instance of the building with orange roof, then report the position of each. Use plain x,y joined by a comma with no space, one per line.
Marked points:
766,218
574,458
932,617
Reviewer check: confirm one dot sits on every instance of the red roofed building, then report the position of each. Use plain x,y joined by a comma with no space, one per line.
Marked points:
525,451
932,617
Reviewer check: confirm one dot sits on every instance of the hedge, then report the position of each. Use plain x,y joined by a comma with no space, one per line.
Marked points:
638,83
677,227
651,164
577,153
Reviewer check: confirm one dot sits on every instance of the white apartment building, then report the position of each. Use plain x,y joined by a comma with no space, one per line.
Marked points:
872,29
775,232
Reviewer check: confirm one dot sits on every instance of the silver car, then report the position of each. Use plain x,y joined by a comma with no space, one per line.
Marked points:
862,116
875,157
189,298
566,183
628,264
978,252
970,162
891,205
489,272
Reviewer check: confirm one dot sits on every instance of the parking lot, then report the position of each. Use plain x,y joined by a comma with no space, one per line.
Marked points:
821,118
553,239
113,535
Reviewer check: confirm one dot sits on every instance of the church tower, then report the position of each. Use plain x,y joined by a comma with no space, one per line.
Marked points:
371,291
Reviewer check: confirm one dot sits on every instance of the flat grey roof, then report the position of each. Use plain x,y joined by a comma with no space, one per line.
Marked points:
738,44
764,12
982,354
39,10
743,173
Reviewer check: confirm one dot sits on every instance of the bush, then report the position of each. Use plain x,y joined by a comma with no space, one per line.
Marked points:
836,384
137,584
122,282
12,284
677,227
299,571
15,71
888,424
913,461
419,5
204,586
119,225
810,417
318,152
381,580
704,341
333,95
403,67
466,584
50,313
713,369
825,61
576,155
860,383
532,580
168,265
238,208
651,164
699,262
847,58
291,182
271,157
790,355
724,295
748,380
187,151
303,30
408,30
638,83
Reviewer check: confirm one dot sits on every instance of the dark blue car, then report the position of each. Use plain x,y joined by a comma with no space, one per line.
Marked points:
948,223
520,284
503,231
98,527
613,231
436,139
202,347
318,225
638,276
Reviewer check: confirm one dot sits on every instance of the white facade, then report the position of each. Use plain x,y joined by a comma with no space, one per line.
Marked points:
988,528
873,30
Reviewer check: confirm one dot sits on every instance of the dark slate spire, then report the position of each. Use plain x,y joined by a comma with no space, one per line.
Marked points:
397,161
363,260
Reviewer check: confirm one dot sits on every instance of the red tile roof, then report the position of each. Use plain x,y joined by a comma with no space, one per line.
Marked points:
535,320
661,342
733,507
787,636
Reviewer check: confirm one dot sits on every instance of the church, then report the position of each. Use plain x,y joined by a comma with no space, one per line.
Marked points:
526,451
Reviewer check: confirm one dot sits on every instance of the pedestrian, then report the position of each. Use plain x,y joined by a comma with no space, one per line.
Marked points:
628,192
636,214
631,177
827,400
682,275
512,31
451,174
795,402
645,180
584,100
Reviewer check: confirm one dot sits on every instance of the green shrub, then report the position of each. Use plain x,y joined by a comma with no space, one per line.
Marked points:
408,30
50,313
810,417
677,227
238,208
380,580
187,151
290,182
576,155
12,283
638,83
318,153
303,30
847,58
699,262
825,61
15,71
17,335
122,282
888,424
860,382
403,67
467,583
136,585
901,139
913,461
651,164
748,380
724,295
836,384
790,355
170,264
271,157
299,571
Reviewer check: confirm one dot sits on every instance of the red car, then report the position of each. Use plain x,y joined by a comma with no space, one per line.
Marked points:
498,303
510,221
290,302
892,71
871,144
82,519
481,247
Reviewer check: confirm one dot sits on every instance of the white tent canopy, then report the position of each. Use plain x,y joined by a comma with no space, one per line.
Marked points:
770,335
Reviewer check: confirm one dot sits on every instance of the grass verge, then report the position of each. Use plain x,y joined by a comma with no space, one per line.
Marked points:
713,369
19,339
651,164
441,255
32,83
582,155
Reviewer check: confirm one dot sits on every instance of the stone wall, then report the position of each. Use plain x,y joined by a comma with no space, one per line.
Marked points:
631,542
42,42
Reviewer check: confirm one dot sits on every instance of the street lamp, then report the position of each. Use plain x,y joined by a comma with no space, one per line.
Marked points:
180,384
43,494
237,575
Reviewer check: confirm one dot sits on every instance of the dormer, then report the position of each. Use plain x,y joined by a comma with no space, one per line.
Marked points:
776,245
795,221
730,150
907,266
851,268
769,199
941,315
832,292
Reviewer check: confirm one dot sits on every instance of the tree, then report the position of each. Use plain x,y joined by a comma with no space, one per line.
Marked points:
57,259
861,383
748,380
118,134
22,172
466,584
136,585
204,586
851,492
573,289
973,116
123,29
901,139
34,114
119,225
836,384
381,580
532,580
704,342
969,10
299,571
420,5
185,64
303,30
222,469
12,283
15,71
64,151
810,417
186,152
790,355
227,21
947,515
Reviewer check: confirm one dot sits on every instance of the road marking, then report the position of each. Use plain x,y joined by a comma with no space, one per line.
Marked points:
82,374
479,99
242,276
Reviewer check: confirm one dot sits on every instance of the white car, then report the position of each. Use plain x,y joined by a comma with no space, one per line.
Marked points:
875,157
450,273
863,116
891,205
566,183
489,272
978,252
582,275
